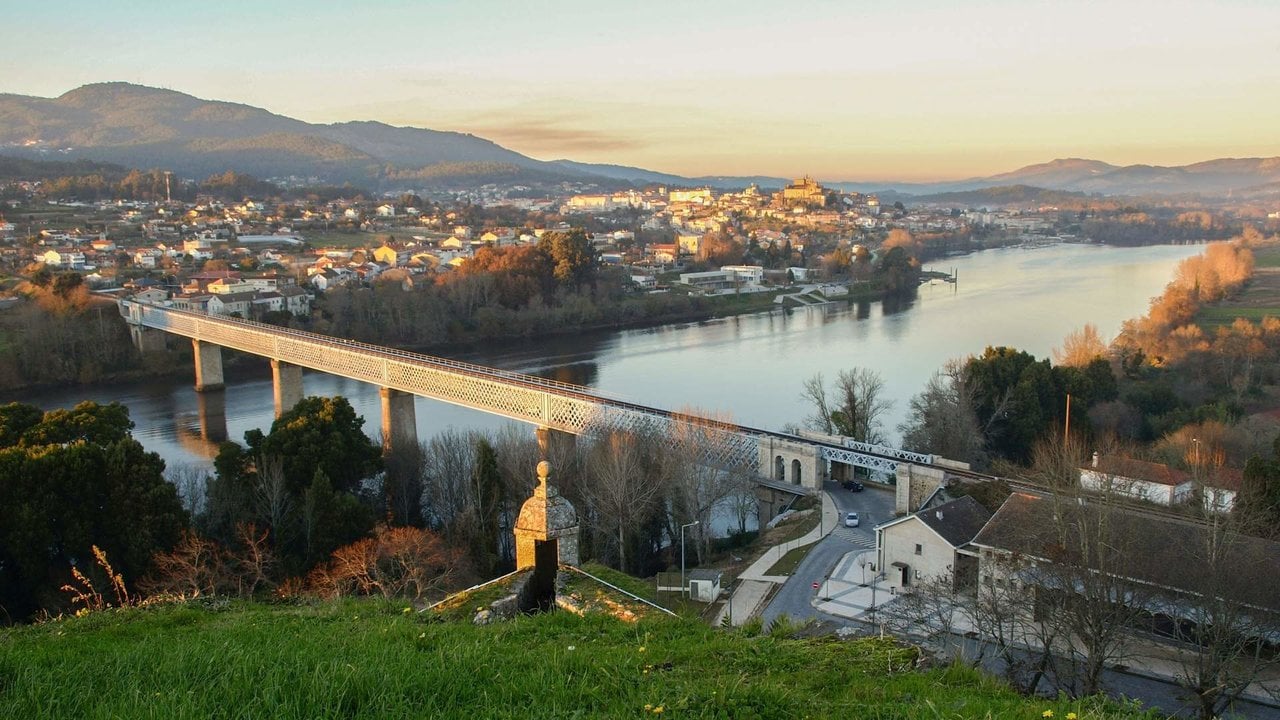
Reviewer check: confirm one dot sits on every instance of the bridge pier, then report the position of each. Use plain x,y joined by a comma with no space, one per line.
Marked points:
914,484
399,420
286,384
208,366
794,463
146,339
552,444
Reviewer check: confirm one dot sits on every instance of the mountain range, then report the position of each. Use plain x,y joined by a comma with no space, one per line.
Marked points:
149,127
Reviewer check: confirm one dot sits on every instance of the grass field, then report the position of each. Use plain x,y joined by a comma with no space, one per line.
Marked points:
378,660
788,563
1260,298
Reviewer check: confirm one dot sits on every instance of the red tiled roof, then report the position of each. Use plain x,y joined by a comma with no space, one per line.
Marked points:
1135,469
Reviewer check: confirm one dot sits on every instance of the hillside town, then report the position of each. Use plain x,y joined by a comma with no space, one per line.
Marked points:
256,256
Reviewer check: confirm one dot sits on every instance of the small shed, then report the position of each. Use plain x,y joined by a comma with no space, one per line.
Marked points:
704,585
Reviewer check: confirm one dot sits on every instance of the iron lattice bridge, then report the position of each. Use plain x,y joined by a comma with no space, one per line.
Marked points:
546,403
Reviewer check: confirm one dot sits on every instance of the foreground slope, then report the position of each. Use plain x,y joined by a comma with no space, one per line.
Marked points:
371,659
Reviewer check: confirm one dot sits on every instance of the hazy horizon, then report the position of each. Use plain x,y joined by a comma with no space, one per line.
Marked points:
835,90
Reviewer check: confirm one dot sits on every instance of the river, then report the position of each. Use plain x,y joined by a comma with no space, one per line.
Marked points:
748,368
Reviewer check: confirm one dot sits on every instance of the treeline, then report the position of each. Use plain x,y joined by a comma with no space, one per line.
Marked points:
553,286
94,182
313,507
59,334
1137,227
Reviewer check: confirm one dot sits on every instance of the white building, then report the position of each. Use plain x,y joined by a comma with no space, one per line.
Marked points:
753,274
709,280
1152,482
931,544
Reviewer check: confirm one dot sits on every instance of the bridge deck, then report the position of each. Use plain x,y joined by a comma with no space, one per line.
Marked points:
526,398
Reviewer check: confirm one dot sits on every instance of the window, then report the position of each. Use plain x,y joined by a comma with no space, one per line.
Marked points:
919,549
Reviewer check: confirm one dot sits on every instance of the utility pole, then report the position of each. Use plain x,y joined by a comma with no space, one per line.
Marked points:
1066,428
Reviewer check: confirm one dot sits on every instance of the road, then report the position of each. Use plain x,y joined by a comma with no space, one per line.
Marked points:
873,505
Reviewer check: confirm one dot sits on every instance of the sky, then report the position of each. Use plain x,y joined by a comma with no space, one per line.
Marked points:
839,90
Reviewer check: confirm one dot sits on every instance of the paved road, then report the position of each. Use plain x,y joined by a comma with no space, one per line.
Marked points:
874,506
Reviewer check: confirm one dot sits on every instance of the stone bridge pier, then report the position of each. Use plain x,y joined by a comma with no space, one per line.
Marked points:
793,463
286,385
208,366
399,420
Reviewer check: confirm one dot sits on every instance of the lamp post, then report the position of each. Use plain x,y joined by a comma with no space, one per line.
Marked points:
683,587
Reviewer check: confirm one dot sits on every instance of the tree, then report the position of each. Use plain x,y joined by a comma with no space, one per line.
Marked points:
1015,397
697,484
488,491
942,419
1080,347
573,257
899,272
853,407
623,492
320,434
1227,596
73,481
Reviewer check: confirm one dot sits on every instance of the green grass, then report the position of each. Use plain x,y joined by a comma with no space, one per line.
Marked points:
1267,256
787,563
1216,316
373,660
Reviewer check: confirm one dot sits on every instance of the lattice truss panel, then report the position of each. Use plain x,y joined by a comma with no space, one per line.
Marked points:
904,455
497,397
711,443
853,457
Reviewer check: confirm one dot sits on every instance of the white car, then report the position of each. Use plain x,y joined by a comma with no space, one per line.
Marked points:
851,519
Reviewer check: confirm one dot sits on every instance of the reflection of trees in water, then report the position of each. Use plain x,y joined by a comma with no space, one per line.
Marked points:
583,373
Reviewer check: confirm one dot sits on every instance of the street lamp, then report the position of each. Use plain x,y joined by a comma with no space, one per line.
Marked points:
683,587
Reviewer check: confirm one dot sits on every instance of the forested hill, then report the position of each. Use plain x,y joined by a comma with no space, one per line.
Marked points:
149,127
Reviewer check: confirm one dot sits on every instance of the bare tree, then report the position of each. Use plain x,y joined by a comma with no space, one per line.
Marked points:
854,407
697,484
402,485
273,502
815,391
1228,599
255,563
192,484
1010,624
1091,582
623,488
447,466
942,419
931,610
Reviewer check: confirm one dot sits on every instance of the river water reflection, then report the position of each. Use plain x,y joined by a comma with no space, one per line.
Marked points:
747,367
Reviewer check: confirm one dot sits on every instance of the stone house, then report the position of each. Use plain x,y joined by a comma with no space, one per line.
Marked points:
930,544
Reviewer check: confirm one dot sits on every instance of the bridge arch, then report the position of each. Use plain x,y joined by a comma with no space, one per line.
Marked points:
793,463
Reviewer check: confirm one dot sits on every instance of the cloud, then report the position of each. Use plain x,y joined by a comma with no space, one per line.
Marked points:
552,136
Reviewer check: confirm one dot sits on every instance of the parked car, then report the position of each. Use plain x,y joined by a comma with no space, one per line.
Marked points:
851,519
852,485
